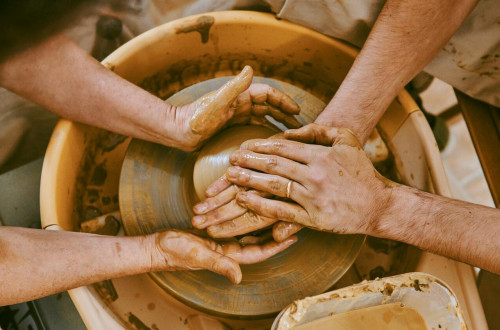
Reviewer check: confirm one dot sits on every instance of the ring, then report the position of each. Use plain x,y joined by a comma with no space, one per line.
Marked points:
288,189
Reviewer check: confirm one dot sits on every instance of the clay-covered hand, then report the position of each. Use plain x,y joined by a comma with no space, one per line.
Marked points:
236,102
334,187
220,207
178,250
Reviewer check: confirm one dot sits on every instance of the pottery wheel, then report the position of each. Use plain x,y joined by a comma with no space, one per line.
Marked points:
157,192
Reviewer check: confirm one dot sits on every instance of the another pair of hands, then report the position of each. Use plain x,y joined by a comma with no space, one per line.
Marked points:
236,102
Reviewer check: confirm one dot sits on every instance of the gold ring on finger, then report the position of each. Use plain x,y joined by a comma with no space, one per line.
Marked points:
288,189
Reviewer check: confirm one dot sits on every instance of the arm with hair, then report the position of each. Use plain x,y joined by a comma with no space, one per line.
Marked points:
62,77
336,189
35,263
460,230
405,38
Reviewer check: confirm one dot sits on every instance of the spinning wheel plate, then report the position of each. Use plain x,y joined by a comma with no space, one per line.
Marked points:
157,192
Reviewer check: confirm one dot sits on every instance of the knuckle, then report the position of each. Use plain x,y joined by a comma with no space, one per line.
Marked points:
318,177
216,202
325,157
244,176
275,185
278,146
253,219
284,214
213,215
255,204
271,163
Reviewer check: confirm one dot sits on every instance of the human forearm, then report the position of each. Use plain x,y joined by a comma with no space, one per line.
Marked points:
456,229
406,36
36,263
63,78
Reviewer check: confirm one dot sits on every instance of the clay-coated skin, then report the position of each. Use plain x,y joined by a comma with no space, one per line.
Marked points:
177,250
335,188
234,103
313,189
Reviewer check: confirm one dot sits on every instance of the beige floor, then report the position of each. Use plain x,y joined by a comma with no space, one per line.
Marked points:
460,161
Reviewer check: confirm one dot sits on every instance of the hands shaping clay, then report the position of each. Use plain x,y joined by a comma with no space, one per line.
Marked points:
213,159
239,102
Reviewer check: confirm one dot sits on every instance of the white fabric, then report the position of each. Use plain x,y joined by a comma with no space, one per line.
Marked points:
469,62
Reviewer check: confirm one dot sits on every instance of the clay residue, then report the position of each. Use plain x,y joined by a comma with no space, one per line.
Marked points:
211,108
186,73
106,290
383,317
136,323
104,225
202,25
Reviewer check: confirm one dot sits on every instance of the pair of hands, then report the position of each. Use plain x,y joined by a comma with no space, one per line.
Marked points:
236,102
320,175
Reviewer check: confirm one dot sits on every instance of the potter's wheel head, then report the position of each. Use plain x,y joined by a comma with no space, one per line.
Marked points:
157,193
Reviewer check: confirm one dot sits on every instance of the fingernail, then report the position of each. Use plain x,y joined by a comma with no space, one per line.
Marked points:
232,172
210,191
198,220
242,197
233,158
200,208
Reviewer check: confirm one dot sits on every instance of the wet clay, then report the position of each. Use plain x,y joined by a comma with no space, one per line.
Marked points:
382,317
211,110
213,159
202,25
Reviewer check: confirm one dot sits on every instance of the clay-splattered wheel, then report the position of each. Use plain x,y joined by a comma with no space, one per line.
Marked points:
157,192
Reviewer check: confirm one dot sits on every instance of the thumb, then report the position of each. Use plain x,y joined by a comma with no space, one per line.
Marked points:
225,266
234,87
214,109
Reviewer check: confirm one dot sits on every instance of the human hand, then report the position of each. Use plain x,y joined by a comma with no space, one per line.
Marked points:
221,206
178,250
236,102
336,188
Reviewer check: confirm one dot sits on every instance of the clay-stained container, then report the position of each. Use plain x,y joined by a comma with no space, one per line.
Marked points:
425,294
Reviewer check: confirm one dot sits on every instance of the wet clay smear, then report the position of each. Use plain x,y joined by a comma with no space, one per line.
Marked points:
202,25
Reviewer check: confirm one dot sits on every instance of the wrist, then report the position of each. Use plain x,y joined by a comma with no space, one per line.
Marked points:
177,132
395,220
388,212
153,256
